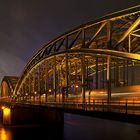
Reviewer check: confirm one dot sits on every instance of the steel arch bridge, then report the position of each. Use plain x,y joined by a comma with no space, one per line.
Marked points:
100,57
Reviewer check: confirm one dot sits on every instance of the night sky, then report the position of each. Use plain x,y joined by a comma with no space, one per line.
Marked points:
26,25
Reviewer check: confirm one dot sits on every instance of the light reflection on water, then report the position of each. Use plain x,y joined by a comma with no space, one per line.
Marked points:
30,132
75,128
5,134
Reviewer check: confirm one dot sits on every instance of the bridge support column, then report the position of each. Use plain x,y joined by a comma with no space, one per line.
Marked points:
109,45
38,84
54,79
83,77
108,78
103,75
96,72
132,74
66,76
46,78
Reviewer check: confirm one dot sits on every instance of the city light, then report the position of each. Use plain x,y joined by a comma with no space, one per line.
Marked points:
50,90
76,86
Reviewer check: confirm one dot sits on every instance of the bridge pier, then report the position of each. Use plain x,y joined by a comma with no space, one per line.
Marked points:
30,115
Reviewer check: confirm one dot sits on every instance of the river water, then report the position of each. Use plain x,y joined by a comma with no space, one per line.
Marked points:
75,127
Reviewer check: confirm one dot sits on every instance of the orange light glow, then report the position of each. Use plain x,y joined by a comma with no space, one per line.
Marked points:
3,107
5,135
6,115
6,111
76,86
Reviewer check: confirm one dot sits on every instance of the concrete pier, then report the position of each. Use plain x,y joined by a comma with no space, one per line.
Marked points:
30,115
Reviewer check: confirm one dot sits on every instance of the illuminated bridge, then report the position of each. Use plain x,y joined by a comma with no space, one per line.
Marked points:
93,66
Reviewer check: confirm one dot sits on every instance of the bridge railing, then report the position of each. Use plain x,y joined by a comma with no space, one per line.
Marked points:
120,106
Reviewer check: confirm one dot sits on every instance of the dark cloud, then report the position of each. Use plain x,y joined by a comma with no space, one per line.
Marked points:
25,25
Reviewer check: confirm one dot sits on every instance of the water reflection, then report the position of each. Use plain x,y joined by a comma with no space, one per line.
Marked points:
31,132
5,134
34,132
75,128
87,128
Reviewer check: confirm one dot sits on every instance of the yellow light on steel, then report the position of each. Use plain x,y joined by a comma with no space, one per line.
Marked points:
76,86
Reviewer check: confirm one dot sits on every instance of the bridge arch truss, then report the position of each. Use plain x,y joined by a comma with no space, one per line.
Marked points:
101,54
